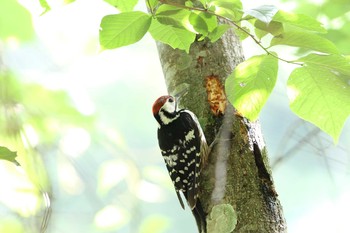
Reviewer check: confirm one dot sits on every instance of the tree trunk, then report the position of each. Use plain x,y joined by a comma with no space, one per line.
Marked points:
237,189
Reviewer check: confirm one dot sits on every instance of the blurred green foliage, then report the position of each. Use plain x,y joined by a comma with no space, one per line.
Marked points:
32,119
336,14
15,21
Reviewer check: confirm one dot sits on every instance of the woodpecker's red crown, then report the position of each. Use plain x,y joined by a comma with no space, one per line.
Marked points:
158,104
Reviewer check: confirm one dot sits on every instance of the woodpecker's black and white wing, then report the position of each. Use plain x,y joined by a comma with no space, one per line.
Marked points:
201,156
183,145
203,142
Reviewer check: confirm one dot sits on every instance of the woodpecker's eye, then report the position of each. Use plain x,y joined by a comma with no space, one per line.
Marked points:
171,100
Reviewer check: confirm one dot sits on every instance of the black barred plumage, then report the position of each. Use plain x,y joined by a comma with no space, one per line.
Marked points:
183,147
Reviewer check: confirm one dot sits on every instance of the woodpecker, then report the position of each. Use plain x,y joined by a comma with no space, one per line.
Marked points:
183,147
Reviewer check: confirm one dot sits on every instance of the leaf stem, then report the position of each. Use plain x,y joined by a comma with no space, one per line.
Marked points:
232,24
150,7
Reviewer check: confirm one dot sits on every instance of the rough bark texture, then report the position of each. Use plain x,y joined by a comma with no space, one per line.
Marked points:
237,172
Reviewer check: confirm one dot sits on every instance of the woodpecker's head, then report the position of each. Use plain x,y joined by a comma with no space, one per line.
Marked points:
164,109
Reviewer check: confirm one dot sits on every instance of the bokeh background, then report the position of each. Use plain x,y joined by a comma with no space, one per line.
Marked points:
81,122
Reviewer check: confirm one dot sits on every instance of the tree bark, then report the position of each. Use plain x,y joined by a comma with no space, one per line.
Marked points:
237,189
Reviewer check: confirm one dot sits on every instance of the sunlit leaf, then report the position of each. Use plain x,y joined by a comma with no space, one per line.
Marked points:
123,29
8,155
251,83
306,40
318,95
264,13
175,37
299,20
333,62
123,5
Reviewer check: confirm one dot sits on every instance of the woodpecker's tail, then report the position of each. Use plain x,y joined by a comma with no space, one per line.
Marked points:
200,217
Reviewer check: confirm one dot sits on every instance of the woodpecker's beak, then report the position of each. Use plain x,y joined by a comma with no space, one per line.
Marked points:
179,95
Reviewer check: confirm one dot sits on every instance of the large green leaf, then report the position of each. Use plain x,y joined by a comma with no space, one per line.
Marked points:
318,95
299,20
263,13
306,40
123,5
334,62
123,29
8,155
177,38
251,83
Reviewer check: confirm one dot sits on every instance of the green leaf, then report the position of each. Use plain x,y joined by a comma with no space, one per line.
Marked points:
230,9
260,33
251,83
318,95
210,20
189,4
299,20
171,21
198,23
123,5
173,16
241,34
169,10
218,32
274,28
263,13
222,219
123,29
152,3
305,40
333,62
8,155
203,2
45,5
177,38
